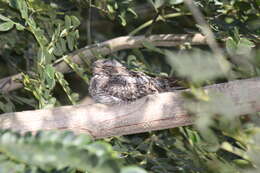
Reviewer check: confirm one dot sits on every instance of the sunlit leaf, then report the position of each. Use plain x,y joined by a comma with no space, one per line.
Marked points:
157,3
132,11
132,170
19,27
197,66
231,46
50,76
67,22
244,46
110,8
6,26
175,2
4,18
75,21
46,153
64,33
70,41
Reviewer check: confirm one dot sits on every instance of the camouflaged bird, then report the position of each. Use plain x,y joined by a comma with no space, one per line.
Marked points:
113,83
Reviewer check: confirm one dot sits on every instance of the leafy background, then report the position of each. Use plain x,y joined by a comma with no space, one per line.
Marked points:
34,34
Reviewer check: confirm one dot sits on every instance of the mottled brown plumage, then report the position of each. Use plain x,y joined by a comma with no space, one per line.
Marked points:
112,83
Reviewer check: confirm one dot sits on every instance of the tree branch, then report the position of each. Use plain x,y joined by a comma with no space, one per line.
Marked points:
154,112
107,47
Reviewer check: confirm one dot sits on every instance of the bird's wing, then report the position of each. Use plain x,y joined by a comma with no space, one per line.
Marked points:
129,87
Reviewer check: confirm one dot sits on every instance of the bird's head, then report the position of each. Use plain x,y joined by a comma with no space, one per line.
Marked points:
107,66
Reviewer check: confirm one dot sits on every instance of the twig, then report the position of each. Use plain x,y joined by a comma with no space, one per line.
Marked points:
89,22
148,23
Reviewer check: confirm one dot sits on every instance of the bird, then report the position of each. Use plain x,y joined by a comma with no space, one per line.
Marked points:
113,83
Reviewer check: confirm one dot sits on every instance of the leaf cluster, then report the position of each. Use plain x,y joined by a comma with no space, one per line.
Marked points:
56,151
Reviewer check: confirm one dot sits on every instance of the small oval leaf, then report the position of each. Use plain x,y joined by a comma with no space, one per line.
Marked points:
75,21
4,18
6,26
132,169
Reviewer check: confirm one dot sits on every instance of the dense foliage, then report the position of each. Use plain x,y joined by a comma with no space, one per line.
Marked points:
36,34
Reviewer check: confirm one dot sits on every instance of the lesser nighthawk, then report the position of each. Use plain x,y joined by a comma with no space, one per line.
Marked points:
113,83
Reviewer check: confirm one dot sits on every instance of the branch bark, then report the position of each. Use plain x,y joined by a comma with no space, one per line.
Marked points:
107,47
154,112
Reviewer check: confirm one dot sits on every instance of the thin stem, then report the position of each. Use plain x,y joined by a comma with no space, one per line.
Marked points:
148,23
89,23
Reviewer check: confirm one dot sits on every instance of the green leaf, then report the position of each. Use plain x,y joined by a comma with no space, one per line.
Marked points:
62,42
115,5
244,46
75,96
46,150
60,47
110,8
122,19
6,26
236,35
59,76
175,2
24,100
76,35
57,33
150,46
75,21
4,18
50,76
64,33
14,3
80,71
57,50
157,3
23,8
231,46
70,41
198,66
132,12
5,107
132,169
82,140
19,27
67,22
11,167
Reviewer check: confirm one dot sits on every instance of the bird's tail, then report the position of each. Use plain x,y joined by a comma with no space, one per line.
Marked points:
169,84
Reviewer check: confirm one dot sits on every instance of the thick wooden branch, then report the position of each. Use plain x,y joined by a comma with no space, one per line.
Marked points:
154,112
107,47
